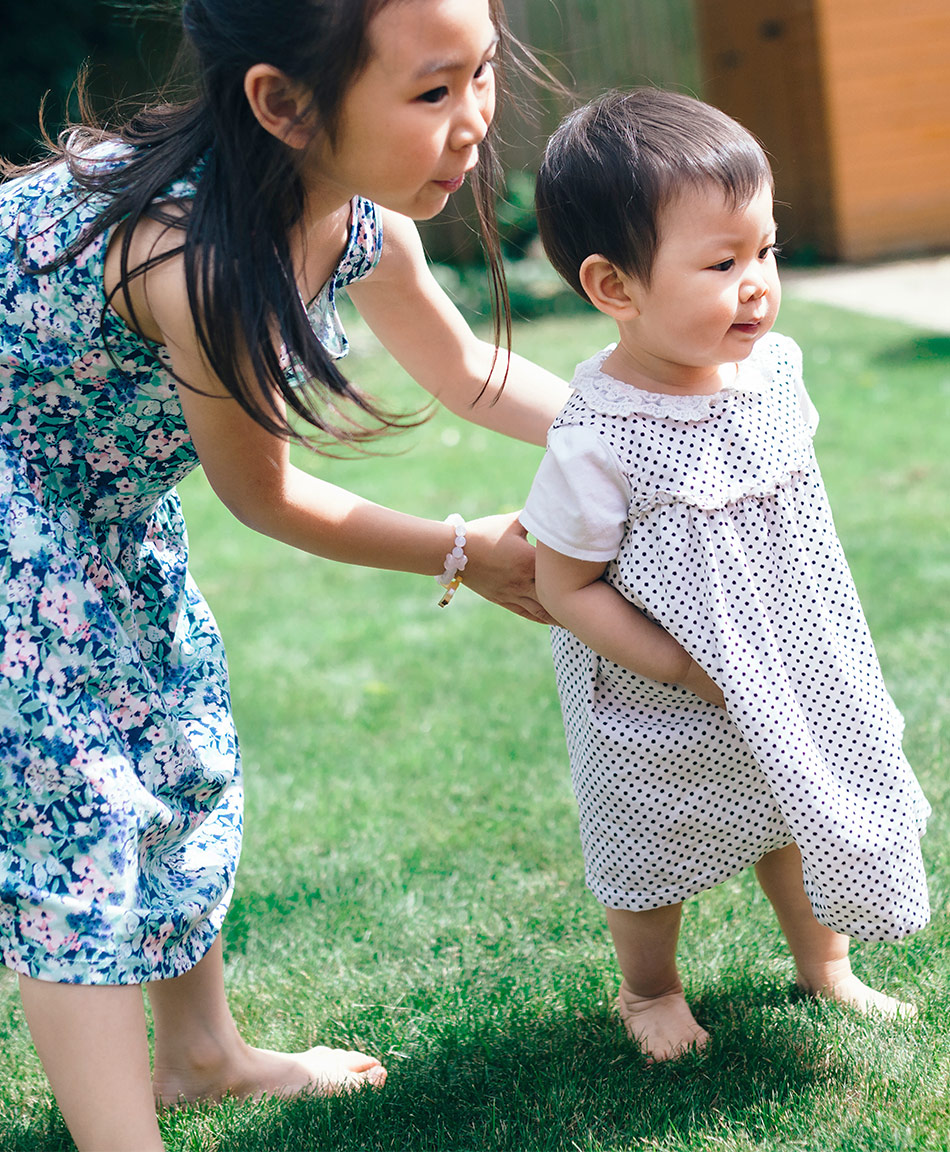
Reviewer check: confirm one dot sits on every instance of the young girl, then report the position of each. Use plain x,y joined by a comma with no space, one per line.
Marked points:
686,547
153,316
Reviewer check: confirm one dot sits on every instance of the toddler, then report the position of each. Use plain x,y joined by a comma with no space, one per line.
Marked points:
722,700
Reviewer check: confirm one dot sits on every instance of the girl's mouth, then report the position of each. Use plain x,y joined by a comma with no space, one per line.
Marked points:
451,185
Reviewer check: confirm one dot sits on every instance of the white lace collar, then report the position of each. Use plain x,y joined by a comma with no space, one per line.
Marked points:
608,396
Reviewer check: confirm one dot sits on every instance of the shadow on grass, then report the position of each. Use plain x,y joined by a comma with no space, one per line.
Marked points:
567,1083
42,1132
916,348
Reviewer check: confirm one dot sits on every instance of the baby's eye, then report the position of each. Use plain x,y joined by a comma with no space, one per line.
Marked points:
723,265
435,95
770,248
483,69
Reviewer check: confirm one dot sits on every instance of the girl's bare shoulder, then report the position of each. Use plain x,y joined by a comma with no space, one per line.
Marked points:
157,293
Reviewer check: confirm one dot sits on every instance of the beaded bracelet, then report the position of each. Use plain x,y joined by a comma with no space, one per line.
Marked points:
455,561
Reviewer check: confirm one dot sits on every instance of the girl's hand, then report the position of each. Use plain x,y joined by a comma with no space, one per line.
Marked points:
501,565
699,683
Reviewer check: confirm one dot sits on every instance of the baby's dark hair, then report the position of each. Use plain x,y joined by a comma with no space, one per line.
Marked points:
613,165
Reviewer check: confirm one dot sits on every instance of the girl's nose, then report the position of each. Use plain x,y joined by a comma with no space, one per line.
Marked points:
474,117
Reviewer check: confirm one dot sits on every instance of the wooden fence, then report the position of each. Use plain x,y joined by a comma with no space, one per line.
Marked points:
852,99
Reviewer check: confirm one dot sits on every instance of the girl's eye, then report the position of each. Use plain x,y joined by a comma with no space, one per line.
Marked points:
435,95
483,69
771,248
723,265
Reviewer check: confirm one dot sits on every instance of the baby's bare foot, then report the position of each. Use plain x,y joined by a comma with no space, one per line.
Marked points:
257,1072
853,993
662,1026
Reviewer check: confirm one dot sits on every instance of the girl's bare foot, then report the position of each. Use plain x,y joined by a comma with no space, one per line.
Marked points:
256,1072
853,993
662,1026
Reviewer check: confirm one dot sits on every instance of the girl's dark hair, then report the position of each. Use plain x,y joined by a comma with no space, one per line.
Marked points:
238,271
611,167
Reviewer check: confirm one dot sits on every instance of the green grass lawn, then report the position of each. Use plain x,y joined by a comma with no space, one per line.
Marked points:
411,881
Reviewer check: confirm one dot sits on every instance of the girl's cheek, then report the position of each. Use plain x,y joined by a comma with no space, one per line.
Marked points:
488,108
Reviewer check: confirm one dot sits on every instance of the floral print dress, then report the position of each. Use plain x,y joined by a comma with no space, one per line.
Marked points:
120,821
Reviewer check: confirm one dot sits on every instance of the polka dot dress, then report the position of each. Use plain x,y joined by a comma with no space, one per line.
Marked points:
711,515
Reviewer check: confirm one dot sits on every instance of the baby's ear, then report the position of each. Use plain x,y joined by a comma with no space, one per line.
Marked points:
280,105
610,291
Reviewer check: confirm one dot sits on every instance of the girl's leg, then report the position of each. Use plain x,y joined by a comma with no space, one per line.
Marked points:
93,1044
199,1054
652,1005
820,954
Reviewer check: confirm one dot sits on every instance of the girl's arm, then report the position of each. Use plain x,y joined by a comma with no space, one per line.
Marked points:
422,329
251,472
576,596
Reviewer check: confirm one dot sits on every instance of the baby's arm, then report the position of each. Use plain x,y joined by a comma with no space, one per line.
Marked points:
575,595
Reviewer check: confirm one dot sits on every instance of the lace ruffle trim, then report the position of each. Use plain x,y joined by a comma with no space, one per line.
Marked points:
610,397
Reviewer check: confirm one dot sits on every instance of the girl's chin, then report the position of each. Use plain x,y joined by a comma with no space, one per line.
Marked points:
425,212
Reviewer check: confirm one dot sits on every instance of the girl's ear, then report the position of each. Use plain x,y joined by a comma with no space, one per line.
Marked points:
610,291
280,105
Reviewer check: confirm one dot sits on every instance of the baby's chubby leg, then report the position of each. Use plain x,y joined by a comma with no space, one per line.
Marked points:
820,954
651,1002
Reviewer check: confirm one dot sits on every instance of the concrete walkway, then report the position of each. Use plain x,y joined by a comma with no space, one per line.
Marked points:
915,291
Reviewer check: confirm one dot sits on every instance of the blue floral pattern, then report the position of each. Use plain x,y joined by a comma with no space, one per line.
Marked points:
120,822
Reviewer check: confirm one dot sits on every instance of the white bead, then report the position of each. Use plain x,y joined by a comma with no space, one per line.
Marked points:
455,560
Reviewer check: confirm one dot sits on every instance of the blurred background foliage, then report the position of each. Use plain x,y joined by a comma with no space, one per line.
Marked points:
129,48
